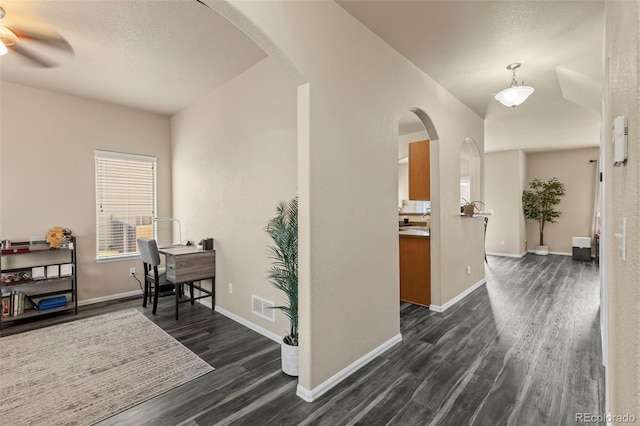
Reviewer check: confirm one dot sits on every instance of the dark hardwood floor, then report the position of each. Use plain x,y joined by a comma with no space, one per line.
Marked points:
523,350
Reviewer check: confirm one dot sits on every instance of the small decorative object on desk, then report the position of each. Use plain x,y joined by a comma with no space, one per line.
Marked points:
206,243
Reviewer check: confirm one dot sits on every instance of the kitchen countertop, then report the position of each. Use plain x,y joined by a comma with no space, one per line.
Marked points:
414,231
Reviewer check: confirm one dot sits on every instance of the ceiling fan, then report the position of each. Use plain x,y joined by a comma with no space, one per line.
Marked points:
28,43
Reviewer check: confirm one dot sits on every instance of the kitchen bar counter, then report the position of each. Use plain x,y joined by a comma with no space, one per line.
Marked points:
415,265
414,231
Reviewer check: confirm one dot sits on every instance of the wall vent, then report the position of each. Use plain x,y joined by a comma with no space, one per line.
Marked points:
263,308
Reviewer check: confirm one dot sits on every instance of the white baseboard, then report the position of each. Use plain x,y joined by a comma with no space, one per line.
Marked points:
450,303
206,302
266,333
110,297
559,253
506,254
322,388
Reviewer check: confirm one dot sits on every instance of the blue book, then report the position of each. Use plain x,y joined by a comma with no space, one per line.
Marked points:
52,303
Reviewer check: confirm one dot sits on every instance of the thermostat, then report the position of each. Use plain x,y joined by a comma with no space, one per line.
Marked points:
620,132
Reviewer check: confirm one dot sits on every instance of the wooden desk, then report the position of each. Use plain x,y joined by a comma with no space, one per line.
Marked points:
186,264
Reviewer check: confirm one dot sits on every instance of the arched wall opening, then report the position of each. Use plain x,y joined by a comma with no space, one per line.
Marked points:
471,187
419,273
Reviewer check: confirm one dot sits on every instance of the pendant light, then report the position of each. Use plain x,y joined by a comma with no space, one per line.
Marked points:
514,95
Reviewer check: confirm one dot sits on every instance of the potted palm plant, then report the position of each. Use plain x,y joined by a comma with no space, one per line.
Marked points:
539,203
283,274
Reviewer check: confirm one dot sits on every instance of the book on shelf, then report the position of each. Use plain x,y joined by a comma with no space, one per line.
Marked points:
6,304
13,304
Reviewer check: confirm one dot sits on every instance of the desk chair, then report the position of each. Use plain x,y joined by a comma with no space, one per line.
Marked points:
486,222
155,278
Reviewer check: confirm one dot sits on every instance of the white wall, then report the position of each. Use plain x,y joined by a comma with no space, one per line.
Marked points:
355,88
403,182
540,126
503,192
47,175
234,157
571,167
622,50
508,173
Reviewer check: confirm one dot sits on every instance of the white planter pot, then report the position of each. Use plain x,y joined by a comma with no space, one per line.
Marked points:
289,356
542,250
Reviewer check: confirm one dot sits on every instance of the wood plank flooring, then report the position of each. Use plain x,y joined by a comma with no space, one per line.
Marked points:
523,350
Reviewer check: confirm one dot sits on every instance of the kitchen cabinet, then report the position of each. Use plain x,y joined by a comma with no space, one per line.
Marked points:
419,171
415,270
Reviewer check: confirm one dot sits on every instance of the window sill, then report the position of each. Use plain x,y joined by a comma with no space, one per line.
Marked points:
119,258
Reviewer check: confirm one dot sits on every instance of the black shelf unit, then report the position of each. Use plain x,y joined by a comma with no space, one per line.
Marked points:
36,290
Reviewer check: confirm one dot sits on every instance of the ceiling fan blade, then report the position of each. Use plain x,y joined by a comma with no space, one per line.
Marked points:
52,39
38,60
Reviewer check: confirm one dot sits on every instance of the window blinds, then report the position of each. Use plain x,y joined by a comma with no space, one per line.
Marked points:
125,202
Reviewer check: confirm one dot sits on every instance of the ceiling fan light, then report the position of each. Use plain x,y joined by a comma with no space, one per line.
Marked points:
7,38
514,96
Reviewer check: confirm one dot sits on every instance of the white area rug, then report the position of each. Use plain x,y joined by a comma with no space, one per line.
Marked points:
87,370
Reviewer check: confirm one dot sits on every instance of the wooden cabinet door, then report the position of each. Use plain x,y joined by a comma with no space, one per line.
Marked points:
419,171
415,270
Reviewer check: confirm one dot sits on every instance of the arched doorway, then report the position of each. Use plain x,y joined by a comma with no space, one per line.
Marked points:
417,191
470,171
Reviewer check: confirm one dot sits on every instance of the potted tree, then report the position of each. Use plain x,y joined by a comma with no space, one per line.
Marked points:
283,274
539,203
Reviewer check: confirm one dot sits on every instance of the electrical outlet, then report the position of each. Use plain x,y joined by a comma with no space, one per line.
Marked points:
230,288
501,242
468,270
132,272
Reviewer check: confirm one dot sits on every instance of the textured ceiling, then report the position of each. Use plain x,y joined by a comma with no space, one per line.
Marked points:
154,55
162,55
466,46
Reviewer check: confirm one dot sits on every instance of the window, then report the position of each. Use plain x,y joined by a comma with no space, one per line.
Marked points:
125,203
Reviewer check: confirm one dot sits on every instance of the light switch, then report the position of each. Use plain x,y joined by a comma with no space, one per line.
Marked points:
622,235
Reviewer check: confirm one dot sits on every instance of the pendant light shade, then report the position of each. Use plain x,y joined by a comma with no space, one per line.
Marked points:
515,94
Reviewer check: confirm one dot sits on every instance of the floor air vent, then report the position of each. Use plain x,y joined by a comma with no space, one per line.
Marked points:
263,308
